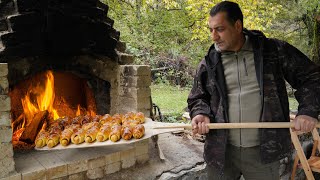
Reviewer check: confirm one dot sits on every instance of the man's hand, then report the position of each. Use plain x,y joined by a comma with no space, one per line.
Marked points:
304,123
199,124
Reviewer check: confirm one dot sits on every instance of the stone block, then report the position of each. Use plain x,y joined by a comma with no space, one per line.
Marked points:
6,150
141,159
96,163
135,70
57,172
112,158
135,81
5,134
4,85
7,8
134,92
141,147
125,58
20,22
128,158
95,173
35,175
77,167
28,6
6,166
3,24
13,176
5,119
144,103
78,176
61,178
113,167
3,69
5,103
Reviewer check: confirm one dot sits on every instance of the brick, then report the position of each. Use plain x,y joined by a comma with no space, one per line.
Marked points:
7,8
134,92
134,70
78,176
141,147
61,178
5,119
141,159
97,162
57,172
4,85
77,167
135,81
95,173
128,158
3,69
144,103
56,167
5,134
125,58
112,158
38,175
6,150
13,176
5,103
6,166
113,167
3,25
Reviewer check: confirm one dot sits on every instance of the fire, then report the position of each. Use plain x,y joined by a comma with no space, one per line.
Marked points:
78,113
40,98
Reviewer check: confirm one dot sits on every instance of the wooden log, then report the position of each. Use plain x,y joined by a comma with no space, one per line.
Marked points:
32,129
17,124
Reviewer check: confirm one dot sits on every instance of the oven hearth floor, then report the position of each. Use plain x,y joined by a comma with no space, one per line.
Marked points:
82,163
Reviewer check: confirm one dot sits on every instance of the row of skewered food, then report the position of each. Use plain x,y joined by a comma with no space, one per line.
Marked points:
90,129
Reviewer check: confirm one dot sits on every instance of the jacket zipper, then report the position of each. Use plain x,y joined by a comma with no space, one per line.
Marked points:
245,66
239,96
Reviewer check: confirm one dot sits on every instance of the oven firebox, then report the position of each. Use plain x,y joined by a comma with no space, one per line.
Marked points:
75,40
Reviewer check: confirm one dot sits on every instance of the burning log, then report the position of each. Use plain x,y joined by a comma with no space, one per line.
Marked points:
18,123
32,129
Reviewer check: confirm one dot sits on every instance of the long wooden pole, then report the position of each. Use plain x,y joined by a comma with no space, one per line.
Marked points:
234,125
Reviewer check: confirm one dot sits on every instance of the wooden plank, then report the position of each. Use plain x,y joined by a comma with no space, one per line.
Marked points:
234,125
149,132
300,153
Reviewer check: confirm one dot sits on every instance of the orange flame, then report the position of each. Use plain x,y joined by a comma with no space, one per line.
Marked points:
91,113
40,99
78,113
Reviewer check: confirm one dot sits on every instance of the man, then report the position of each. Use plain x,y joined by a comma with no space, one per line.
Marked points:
242,79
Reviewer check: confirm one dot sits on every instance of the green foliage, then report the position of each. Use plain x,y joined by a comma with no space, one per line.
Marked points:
158,30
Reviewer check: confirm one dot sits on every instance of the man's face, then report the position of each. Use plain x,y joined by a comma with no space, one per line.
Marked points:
226,36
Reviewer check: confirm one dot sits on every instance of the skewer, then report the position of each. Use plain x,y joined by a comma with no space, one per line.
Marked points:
236,125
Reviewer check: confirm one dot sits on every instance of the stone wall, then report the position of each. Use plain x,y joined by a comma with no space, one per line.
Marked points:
6,155
135,92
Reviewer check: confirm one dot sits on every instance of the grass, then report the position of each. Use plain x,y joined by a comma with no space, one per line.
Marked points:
172,100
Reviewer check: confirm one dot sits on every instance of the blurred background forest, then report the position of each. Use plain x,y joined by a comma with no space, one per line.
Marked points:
172,37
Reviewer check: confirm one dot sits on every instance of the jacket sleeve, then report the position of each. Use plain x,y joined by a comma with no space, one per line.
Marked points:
304,76
199,98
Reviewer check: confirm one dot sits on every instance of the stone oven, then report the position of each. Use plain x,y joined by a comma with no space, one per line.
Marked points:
73,43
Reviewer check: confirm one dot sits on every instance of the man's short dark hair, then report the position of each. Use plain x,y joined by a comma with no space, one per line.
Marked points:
231,8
